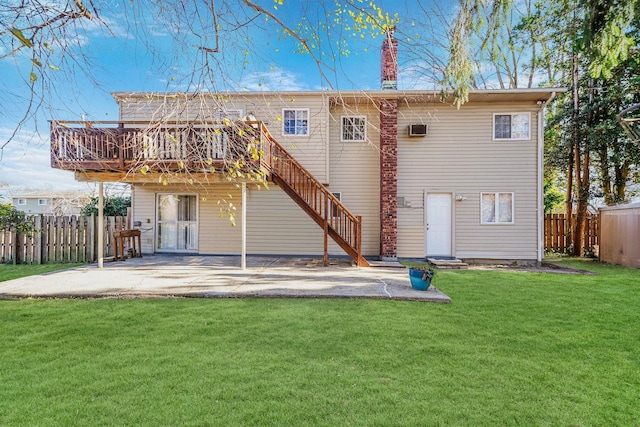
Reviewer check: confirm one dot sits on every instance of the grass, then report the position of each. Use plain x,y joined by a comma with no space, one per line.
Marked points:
512,349
8,271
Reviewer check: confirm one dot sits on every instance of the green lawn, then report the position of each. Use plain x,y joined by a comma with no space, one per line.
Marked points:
512,349
8,271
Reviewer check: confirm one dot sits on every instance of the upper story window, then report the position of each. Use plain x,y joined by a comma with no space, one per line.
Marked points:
42,202
511,126
353,129
295,122
496,208
22,201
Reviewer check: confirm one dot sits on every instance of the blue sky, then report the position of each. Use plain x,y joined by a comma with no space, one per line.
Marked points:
143,57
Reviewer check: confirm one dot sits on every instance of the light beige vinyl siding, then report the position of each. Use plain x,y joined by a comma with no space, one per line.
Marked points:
458,156
309,150
277,225
216,235
143,203
355,170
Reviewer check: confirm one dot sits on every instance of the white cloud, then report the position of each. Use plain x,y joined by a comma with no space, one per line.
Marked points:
417,76
26,163
276,79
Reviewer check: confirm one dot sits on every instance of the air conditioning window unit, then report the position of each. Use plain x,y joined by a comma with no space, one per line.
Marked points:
418,130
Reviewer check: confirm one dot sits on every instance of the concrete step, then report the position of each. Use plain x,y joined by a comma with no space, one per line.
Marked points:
448,263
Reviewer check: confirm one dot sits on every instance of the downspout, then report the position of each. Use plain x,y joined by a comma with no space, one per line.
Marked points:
541,114
243,255
327,118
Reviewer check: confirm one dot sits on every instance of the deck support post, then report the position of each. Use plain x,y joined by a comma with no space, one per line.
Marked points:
243,261
100,224
360,262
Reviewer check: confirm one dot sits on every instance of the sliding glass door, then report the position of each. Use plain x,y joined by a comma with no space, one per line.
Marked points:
177,226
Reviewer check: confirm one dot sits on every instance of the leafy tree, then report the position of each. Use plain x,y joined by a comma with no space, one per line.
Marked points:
113,206
201,47
553,197
588,113
616,157
13,219
203,44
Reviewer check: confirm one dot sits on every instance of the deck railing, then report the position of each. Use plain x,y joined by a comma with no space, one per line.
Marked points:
125,146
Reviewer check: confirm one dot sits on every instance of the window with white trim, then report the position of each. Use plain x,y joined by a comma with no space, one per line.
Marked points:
496,208
353,129
511,126
22,201
295,122
42,202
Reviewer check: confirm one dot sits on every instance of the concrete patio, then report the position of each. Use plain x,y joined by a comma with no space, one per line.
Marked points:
221,277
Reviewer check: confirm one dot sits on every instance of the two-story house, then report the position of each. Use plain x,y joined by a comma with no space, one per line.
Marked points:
386,174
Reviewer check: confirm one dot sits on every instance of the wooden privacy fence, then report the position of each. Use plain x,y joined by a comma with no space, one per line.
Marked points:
620,230
59,239
556,228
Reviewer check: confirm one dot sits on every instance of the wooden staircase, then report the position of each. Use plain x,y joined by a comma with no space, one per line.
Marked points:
314,198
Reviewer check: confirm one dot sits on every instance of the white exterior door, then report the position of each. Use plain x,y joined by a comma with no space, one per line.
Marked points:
177,225
438,224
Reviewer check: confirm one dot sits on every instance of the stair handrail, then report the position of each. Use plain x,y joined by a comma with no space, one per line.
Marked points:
339,220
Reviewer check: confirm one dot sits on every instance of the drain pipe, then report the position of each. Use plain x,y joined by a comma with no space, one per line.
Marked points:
541,112
243,261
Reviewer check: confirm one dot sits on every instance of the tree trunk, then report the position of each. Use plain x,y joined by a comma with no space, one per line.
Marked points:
576,231
605,178
583,180
568,201
581,206
620,182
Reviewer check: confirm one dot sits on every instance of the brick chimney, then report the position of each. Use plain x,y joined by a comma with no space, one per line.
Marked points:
389,62
389,150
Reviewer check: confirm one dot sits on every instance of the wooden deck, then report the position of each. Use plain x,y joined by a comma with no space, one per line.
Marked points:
133,147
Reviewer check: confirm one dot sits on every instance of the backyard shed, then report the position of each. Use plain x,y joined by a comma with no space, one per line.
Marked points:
620,235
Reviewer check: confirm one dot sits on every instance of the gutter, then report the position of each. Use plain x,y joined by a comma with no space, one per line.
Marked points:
541,114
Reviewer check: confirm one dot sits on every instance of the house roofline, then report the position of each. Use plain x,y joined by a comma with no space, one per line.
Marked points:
474,95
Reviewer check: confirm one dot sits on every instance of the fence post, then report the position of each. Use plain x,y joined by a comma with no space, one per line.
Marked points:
92,238
82,239
14,241
73,238
37,224
20,250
